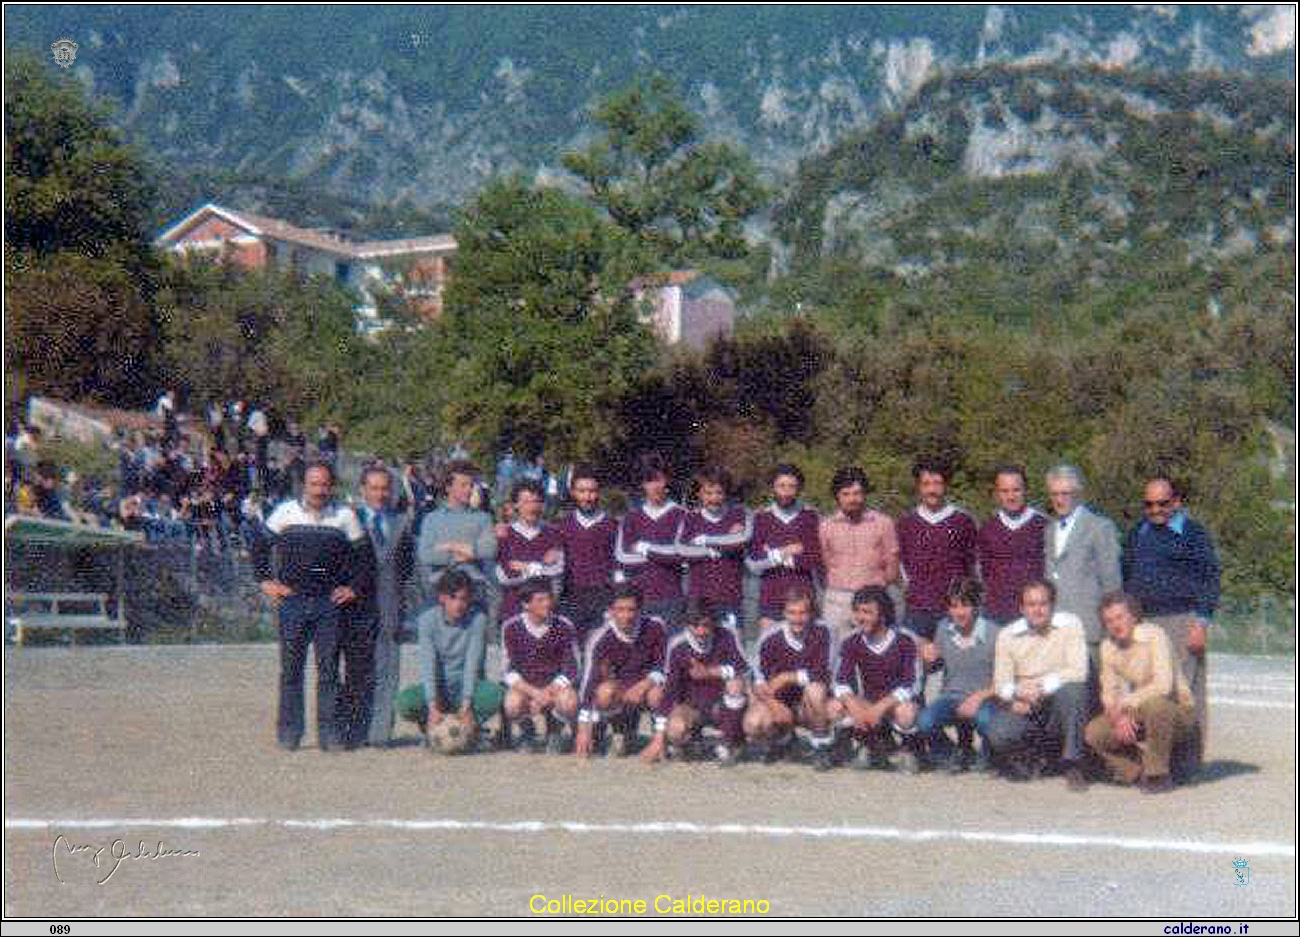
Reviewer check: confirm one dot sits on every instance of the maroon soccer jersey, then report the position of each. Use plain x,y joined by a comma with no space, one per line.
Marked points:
528,545
625,658
684,650
809,656
588,550
714,546
872,671
1010,551
539,656
935,550
773,529
646,550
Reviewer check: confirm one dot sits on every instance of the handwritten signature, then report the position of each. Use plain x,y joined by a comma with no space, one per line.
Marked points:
117,851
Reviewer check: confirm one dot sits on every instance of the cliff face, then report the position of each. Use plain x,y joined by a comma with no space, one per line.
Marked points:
421,104
1046,160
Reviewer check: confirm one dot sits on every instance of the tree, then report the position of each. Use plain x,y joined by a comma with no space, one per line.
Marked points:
261,335
540,322
79,269
79,328
686,198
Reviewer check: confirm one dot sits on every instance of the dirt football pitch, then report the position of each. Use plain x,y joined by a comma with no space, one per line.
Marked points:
147,781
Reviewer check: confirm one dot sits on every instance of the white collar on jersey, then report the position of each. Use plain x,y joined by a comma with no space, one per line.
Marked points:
796,508
588,520
653,512
537,631
525,531
696,646
628,637
883,645
1015,523
936,517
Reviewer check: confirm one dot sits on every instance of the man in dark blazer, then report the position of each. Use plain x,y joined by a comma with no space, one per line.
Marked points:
1081,557
373,642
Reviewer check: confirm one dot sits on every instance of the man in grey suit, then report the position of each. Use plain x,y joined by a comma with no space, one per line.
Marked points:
382,613
1081,554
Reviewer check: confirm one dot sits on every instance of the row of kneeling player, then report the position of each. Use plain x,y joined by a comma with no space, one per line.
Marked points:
1022,689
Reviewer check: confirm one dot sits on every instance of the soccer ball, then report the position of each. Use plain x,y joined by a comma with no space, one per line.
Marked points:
449,737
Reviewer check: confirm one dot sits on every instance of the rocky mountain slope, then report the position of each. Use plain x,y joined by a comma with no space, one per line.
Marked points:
1019,164
364,106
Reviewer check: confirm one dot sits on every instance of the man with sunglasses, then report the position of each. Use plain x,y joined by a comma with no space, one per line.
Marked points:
1172,568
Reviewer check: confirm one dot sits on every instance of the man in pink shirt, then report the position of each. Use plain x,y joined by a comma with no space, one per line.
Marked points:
859,548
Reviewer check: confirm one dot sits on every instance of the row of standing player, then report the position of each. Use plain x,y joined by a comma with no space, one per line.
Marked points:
783,545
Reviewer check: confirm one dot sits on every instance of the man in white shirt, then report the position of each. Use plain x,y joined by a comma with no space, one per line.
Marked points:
1040,670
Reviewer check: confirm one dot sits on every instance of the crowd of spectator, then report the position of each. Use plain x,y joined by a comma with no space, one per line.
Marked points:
199,482
205,481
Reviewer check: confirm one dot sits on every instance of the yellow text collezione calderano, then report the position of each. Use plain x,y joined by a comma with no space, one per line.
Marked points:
691,905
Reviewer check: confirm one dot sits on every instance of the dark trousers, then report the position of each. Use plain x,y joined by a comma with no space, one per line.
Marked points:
585,607
262,460
1094,680
1177,627
357,646
1058,720
306,620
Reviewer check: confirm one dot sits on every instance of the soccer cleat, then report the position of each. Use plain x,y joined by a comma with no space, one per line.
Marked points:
908,763
822,759
559,737
1019,771
1161,785
617,746
524,737
1075,779
962,761
726,755
540,735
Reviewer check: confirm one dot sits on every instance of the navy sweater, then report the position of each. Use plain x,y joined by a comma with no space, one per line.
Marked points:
1172,573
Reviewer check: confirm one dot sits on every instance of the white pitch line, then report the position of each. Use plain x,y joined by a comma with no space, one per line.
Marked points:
1257,684
534,827
1248,703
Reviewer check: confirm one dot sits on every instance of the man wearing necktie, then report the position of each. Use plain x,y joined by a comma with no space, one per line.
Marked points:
372,651
1081,555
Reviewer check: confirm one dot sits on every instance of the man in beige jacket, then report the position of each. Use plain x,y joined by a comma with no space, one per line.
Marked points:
1147,706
